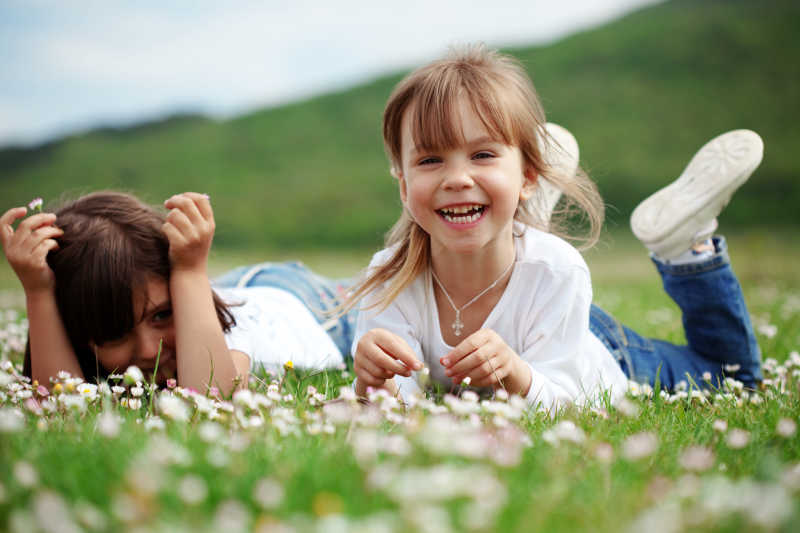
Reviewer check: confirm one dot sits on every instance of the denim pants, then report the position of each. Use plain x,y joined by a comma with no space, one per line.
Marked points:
715,320
319,294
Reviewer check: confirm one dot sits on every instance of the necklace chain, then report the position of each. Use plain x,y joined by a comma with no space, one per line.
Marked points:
457,325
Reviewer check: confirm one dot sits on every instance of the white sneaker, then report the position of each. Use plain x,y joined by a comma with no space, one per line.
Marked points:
560,151
671,220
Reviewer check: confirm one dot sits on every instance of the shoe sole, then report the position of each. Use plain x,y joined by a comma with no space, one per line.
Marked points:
667,221
562,153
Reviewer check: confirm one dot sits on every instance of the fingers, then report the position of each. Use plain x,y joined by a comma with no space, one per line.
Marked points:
26,248
471,361
399,349
483,357
29,234
42,233
189,227
374,356
203,204
173,234
466,347
380,355
28,225
191,215
8,218
374,371
491,373
367,372
39,254
194,205
179,221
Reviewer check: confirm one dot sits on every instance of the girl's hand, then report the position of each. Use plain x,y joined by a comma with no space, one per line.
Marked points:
381,355
487,360
190,230
26,247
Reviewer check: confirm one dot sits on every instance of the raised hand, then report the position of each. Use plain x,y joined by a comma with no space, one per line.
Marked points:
487,360
381,355
26,247
190,230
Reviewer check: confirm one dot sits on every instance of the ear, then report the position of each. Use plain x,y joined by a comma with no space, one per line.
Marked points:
401,182
530,180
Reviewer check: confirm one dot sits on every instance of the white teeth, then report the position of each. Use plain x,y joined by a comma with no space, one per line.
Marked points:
461,209
462,219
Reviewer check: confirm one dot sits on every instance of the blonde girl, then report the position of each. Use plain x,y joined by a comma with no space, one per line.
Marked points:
476,282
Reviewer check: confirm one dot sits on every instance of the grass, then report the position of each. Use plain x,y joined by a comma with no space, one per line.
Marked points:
278,459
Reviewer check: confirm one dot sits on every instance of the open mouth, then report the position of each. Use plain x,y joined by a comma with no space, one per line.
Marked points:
462,214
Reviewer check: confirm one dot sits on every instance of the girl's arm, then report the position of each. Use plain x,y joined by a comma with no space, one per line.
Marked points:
203,357
26,250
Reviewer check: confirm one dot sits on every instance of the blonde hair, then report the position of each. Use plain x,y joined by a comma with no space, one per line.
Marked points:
503,97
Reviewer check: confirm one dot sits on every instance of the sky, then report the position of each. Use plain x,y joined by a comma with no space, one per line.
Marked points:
70,65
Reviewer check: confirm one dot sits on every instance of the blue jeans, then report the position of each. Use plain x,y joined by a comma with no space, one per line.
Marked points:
715,320
319,294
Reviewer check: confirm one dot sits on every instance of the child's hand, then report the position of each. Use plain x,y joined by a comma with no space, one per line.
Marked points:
26,247
487,360
380,355
190,230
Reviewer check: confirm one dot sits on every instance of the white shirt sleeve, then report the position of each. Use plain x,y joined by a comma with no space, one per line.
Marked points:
553,346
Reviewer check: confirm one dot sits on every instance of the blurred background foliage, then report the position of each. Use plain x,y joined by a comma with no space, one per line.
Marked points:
640,94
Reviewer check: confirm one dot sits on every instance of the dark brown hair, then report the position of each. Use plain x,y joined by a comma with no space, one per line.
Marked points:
112,244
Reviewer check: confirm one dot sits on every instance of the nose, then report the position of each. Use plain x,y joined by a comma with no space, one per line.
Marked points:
148,345
457,177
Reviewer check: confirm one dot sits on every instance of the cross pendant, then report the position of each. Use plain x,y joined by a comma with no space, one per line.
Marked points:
457,325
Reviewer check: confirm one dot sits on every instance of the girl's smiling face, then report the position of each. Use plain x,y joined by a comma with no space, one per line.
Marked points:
464,197
154,330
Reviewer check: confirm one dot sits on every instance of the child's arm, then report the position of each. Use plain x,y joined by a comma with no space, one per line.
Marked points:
203,357
26,250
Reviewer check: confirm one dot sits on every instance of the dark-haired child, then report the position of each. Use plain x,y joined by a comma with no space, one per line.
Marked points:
110,282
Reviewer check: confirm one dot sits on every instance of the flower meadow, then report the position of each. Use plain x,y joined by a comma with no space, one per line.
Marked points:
297,451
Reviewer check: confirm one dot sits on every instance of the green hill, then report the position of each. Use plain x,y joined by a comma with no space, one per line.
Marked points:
640,94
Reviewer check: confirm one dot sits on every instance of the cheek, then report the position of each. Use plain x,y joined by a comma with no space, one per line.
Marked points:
418,200
115,358
507,193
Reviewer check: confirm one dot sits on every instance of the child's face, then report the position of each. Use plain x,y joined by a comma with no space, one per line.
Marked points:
140,346
465,198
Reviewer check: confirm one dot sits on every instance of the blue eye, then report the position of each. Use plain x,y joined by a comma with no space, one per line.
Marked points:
161,316
483,155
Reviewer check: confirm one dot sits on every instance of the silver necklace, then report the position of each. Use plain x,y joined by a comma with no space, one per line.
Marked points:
457,325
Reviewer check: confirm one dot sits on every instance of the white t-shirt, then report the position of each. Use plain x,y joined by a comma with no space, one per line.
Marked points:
273,326
543,315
